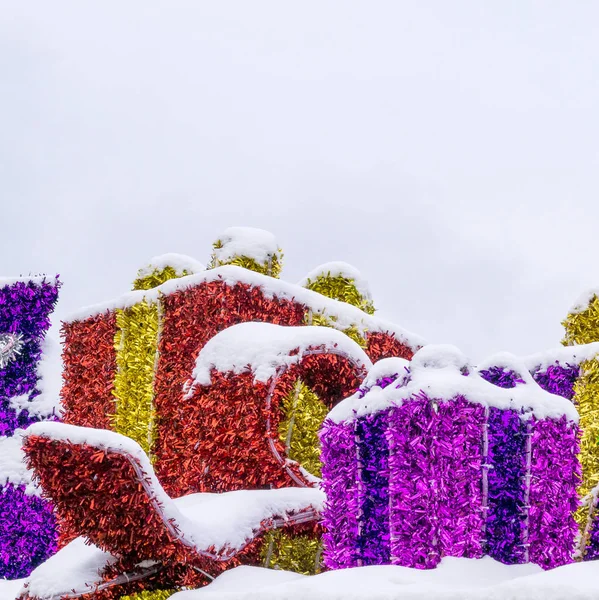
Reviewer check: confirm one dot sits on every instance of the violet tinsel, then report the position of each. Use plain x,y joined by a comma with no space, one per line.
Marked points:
25,308
558,379
456,455
383,382
413,538
339,480
27,532
591,552
501,377
506,512
373,489
554,475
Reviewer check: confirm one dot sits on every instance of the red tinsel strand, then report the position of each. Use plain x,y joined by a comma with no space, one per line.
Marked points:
89,360
381,345
190,319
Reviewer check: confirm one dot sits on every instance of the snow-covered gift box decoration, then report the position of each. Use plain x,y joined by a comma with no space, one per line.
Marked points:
126,361
27,524
467,468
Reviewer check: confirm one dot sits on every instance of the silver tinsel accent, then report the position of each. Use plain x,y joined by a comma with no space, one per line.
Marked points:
11,345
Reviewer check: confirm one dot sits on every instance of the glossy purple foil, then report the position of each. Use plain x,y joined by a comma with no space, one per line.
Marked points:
456,456
501,377
373,489
25,309
591,552
413,528
506,504
339,482
27,532
554,475
558,379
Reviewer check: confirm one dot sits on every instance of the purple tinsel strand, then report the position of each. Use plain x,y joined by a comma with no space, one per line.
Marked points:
501,377
412,528
339,477
591,552
506,512
373,489
25,308
27,532
382,382
457,458
558,379
555,475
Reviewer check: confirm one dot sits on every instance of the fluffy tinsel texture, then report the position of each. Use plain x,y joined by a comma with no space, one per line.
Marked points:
554,477
89,358
339,482
231,417
25,308
156,278
373,489
27,532
583,328
341,288
191,318
506,504
381,345
98,494
413,534
501,377
136,345
457,457
591,551
558,379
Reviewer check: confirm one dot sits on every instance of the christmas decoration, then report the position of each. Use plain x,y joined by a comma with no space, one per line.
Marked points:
28,530
465,469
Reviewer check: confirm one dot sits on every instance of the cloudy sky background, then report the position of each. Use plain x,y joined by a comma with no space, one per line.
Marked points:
449,150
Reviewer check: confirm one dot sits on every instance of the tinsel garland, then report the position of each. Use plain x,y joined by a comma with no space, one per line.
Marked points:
190,318
28,532
272,266
303,413
558,379
554,477
590,543
501,377
25,308
582,328
100,494
340,288
297,553
150,595
157,277
136,346
373,489
413,536
507,510
381,345
89,359
457,456
339,482
239,422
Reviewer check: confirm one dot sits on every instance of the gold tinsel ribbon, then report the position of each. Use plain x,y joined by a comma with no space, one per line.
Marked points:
583,328
136,343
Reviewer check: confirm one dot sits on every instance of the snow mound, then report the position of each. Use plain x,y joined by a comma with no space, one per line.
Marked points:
258,244
12,463
181,263
442,372
263,348
453,579
338,269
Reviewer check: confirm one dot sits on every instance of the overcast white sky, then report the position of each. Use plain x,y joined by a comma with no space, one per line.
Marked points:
449,150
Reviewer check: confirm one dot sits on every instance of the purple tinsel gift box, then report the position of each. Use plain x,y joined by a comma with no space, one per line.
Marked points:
468,468
28,530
